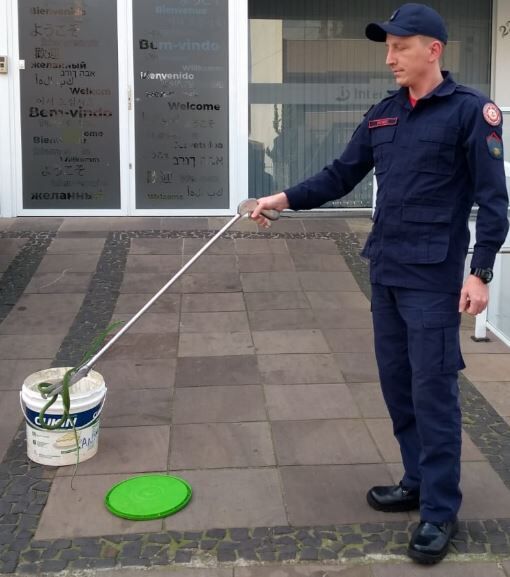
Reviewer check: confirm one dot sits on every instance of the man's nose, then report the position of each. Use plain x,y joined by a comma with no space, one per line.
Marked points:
390,57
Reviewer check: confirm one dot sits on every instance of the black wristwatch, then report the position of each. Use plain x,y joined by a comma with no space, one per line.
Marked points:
484,274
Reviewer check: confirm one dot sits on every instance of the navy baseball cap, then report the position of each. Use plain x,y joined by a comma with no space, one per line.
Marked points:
409,20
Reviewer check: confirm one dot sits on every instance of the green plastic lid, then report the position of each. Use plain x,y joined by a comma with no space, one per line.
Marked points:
148,497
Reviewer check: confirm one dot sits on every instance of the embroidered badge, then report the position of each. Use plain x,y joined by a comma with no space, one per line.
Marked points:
382,122
492,114
495,145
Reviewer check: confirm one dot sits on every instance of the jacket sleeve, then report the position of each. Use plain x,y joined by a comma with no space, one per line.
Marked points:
488,175
338,178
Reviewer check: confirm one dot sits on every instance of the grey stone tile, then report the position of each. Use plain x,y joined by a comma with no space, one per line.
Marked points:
76,246
184,223
14,373
26,322
312,246
357,367
10,411
484,368
144,346
497,393
285,224
328,281
151,322
59,518
182,571
319,262
297,341
29,346
229,404
36,223
343,318
304,570
337,300
147,283
470,452
268,320
210,283
335,224
226,498
477,481
221,445
350,340
128,374
243,225
215,263
382,433
333,494
492,347
370,400
306,402
55,282
236,321
221,246
10,246
212,302
217,371
247,246
445,569
215,344
270,282
266,263
126,450
154,263
57,263
39,304
156,246
107,223
6,223
132,303
275,300
299,369
360,224
325,442
136,407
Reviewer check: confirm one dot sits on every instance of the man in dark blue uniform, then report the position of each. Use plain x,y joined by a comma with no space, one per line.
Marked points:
437,149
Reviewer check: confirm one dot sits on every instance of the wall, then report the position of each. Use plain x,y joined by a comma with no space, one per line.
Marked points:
501,52
6,166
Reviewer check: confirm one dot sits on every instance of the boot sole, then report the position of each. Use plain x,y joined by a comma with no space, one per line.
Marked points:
396,508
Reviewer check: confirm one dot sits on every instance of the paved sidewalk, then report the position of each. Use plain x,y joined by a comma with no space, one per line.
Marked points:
254,378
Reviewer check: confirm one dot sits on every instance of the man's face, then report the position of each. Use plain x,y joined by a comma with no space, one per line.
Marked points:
408,57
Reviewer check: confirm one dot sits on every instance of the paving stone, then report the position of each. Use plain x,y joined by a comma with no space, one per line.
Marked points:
293,341
131,408
276,300
212,302
299,369
217,371
215,344
214,322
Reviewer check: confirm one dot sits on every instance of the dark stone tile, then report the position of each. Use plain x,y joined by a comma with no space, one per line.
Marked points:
225,321
144,346
266,263
297,368
137,407
312,246
217,371
319,262
212,302
128,374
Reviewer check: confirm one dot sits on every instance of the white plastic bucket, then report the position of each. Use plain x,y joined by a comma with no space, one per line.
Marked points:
58,447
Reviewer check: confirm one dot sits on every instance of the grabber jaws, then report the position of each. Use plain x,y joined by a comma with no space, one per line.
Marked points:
246,207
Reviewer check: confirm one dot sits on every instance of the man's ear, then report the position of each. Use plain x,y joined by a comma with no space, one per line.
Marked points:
436,50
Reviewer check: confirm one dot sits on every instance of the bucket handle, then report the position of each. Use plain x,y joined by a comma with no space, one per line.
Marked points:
22,405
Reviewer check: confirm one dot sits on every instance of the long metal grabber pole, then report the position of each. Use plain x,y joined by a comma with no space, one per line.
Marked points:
245,207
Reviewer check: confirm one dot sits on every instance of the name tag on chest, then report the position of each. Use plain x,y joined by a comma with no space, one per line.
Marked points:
380,122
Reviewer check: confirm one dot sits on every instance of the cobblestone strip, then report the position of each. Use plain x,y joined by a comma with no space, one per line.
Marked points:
22,267
24,486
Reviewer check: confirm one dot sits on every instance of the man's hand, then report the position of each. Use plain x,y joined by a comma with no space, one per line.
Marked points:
474,296
277,202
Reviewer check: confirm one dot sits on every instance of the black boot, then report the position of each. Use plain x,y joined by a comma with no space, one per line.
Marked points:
429,542
393,498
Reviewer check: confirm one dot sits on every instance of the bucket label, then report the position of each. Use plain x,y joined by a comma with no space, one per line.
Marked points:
79,420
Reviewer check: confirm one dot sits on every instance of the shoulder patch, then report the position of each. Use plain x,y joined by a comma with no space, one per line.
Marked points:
495,145
492,114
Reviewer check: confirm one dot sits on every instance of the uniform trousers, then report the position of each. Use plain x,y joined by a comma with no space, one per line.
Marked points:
418,355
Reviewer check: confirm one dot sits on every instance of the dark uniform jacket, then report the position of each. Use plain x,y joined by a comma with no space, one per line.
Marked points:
432,162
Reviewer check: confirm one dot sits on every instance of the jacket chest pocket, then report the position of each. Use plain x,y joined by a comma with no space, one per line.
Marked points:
435,150
382,140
